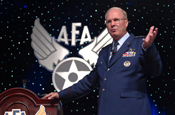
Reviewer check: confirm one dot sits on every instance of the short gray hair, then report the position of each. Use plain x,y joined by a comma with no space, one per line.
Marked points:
124,12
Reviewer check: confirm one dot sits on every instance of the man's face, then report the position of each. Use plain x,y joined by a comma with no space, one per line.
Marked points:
116,24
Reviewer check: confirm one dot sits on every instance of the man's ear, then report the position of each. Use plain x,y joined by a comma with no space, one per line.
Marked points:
126,23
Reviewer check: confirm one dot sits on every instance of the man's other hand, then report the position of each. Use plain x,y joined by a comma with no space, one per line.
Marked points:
147,42
51,96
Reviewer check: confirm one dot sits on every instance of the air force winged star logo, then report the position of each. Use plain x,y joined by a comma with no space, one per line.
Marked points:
46,49
51,54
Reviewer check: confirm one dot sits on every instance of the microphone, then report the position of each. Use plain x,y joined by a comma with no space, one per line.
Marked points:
112,51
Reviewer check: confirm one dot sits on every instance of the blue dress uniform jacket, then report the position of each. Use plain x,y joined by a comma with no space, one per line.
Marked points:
122,80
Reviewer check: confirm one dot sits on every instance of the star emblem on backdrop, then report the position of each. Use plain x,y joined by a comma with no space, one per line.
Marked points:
73,75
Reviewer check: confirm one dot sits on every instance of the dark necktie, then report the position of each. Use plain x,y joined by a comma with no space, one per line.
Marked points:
114,50
115,47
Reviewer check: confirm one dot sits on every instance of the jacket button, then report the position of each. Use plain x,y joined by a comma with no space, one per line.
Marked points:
104,79
108,69
103,89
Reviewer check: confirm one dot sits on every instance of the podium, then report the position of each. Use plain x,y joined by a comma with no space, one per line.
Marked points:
26,100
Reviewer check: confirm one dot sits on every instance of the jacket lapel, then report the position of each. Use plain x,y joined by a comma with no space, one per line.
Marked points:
107,54
122,50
